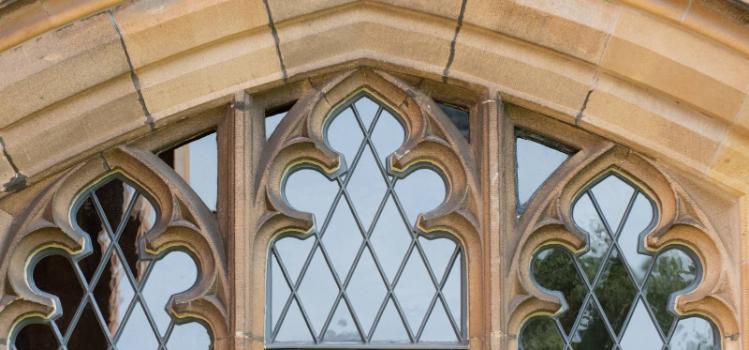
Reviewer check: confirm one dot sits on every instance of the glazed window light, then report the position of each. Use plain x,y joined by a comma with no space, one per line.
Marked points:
616,295
365,277
109,297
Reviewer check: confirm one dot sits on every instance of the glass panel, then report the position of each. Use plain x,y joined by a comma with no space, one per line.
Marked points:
673,271
599,241
554,270
391,239
641,333
294,329
638,221
452,290
422,191
130,294
366,188
189,336
631,306
280,287
318,291
387,136
390,329
541,333
591,331
438,252
88,333
197,163
175,273
37,336
438,328
137,333
345,135
370,242
535,163
309,191
342,328
414,291
115,294
367,110
613,196
343,234
616,292
293,253
53,275
272,121
459,116
366,291
694,333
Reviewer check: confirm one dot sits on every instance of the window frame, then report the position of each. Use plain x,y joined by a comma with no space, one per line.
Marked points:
500,299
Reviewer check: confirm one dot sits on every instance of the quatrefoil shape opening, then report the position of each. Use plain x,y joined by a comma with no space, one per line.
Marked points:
366,275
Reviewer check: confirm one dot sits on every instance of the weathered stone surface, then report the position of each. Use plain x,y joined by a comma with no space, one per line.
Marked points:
23,20
418,41
58,65
286,9
155,30
74,128
521,70
732,159
578,28
212,72
708,76
653,125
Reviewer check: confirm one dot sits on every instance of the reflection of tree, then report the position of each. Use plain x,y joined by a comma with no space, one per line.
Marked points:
541,334
616,292
673,271
553,269
591,334
598,243
693,334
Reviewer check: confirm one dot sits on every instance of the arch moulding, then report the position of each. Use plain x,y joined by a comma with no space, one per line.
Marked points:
669,81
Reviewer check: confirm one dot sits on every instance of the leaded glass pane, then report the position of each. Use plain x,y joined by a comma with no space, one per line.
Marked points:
197,163
110,297
535,162
272,121
616,294
366,276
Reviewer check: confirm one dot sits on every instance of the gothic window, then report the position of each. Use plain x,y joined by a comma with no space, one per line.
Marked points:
109,296
351,209
616,294
366,275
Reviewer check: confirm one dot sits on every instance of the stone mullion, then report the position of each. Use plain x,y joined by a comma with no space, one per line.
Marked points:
493,157
240,138
744,270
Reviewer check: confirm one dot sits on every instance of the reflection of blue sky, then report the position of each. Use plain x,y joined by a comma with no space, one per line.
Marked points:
641,332
174,273
203,168
535,163
693,333
271,123
421,191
